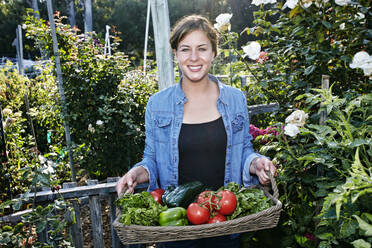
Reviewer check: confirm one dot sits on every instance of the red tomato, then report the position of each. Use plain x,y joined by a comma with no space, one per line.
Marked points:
217,218
197,214
227,203
156,194
208,199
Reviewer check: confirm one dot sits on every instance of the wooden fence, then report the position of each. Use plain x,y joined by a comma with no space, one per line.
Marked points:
91,194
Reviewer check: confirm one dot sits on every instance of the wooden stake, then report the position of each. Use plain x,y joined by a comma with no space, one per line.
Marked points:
160,20
61,89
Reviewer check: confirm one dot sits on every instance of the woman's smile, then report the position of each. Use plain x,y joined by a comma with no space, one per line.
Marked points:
195,68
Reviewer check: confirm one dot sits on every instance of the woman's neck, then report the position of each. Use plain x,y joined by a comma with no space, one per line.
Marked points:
198,89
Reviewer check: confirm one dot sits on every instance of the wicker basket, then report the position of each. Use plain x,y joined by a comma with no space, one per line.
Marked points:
268,218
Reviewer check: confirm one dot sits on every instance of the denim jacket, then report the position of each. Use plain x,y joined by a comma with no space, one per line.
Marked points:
163,120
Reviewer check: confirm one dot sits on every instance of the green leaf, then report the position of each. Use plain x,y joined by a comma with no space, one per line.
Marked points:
310,69
295,11
360,193
348,228
360,142
368,216
364,226
360,243
17,204
301,240
325,236
324,244
40,226
327,24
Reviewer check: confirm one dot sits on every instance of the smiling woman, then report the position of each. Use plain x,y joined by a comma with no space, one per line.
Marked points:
198,129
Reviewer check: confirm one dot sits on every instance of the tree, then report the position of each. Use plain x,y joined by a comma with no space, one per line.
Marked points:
71,12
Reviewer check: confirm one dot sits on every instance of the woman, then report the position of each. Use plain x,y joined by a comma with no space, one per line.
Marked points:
197,129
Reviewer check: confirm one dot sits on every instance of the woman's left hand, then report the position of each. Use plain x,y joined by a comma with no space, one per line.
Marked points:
260,166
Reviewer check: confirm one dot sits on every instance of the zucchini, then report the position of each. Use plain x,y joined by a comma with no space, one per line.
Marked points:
183,194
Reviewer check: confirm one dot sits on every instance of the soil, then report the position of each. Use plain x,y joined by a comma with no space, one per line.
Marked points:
87,227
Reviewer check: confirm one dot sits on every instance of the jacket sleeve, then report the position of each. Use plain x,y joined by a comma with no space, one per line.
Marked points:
248,152
149,155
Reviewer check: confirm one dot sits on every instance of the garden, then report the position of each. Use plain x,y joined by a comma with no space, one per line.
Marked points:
320,137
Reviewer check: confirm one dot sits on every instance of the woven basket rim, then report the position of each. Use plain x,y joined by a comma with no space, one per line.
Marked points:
275,208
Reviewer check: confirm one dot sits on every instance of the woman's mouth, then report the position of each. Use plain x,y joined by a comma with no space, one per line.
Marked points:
194,68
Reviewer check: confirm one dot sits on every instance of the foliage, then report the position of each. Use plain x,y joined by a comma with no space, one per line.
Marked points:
55,217
22,149
348,207
306,43
127,18
105,105
302,45
317,161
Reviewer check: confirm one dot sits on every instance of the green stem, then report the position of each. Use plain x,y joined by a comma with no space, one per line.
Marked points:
287,145
346,124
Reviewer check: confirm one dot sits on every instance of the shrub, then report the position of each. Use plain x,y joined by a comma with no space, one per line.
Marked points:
105,102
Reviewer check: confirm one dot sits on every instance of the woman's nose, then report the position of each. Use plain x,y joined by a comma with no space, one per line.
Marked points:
194,55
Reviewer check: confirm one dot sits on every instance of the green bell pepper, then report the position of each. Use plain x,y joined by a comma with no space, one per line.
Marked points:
173,217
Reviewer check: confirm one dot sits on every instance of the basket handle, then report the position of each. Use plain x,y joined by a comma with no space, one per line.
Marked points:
273,184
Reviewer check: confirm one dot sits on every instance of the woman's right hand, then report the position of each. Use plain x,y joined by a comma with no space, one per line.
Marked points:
129,181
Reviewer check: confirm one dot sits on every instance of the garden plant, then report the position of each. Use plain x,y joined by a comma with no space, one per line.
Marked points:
320,138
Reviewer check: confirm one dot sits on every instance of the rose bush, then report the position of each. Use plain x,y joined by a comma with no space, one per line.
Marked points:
310,39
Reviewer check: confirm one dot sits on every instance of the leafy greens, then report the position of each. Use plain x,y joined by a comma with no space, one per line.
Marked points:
139,209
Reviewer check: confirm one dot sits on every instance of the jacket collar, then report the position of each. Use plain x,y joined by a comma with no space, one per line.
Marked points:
181,97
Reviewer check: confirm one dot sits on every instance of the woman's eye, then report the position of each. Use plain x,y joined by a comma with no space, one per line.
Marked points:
185,50
202,49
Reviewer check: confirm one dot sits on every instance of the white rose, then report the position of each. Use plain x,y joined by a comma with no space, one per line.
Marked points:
307,3
297,118
290,4
259,2
223,22
360,59
7,111
252,50
91,128
367,68
291,130
360,16
341,2
318,3
42,159
99,122
342,26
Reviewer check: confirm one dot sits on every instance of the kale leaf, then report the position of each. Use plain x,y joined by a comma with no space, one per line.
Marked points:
139,209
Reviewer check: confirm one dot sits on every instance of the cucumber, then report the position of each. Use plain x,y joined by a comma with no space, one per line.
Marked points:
183,194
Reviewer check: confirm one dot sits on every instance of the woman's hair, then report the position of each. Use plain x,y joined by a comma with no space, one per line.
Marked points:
189,24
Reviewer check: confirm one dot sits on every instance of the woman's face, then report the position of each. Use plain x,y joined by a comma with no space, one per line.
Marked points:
195,55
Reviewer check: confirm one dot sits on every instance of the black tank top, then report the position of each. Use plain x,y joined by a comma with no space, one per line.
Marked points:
202,153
